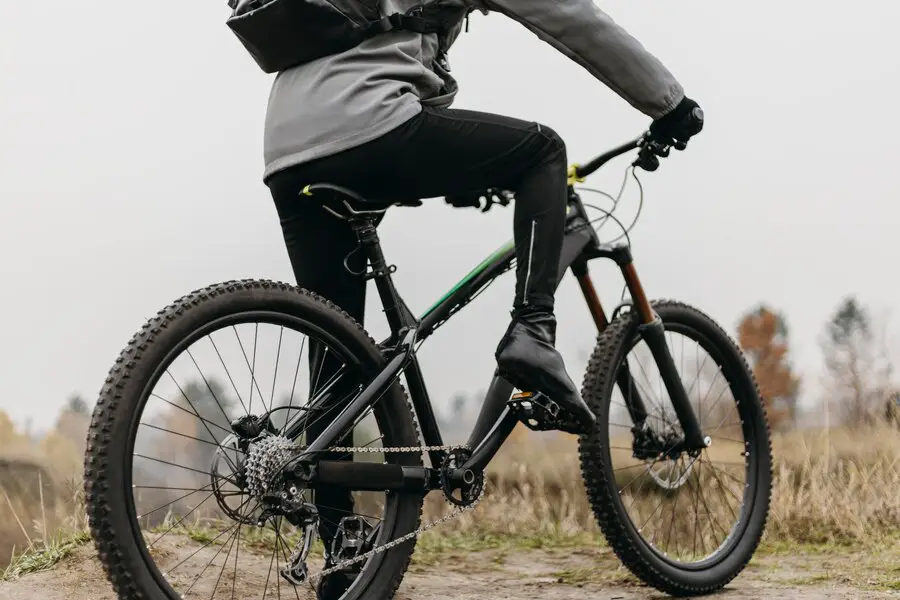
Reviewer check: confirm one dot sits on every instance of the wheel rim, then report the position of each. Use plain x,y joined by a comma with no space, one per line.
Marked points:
689,511
230,543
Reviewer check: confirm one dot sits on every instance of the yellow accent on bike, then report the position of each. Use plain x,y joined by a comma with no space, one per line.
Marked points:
522,395
573,175
306,191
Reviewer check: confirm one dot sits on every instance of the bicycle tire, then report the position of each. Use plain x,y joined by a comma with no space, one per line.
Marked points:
107,460
623,536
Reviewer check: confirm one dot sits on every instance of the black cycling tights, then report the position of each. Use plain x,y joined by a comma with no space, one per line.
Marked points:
437,153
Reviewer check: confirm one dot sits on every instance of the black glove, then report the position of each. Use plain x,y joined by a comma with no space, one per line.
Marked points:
679,125
490,197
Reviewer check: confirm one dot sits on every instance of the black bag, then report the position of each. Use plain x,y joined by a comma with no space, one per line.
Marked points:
281,34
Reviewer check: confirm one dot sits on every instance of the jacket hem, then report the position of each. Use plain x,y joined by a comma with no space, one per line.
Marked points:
358,138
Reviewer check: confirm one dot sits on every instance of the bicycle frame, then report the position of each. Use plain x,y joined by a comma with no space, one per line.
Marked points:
495,421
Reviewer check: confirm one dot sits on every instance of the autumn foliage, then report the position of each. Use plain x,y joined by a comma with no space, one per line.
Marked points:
762,334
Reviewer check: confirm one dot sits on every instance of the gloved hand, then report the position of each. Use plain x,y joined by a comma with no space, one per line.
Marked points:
679,125
490,197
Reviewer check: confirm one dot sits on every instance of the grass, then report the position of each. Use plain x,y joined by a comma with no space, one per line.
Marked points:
45,555
834,496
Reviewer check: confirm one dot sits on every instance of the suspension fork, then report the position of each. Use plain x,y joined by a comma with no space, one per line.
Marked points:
653,333
633,401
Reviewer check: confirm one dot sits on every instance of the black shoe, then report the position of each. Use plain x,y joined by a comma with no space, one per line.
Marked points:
528,359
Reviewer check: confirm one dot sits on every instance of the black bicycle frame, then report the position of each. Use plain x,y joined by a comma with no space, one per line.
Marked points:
495,421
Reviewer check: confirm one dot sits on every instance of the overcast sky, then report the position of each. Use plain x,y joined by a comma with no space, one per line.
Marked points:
131,153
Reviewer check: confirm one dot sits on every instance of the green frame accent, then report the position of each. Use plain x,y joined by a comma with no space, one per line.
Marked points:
471,275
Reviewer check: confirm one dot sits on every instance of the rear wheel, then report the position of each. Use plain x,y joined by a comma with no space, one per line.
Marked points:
685,524
170,496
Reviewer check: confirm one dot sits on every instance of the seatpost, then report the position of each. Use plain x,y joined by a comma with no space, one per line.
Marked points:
398,314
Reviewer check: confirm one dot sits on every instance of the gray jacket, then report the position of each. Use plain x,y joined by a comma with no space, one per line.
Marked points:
345,100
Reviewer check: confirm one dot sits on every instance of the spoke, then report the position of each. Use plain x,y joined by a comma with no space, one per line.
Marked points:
277,563
253,367
297,370
190,437
712,517
269,573
205,426
315,387
700,368
659,401
181,408
228,374
206,545
237,551
275,376
191,404
222,570
311,405
696,522
741,483
722,437
634,466
181,520
208,386
253,383
647,520
716,403
720,487
206,488
672,521
287,563
206,473
193,554
709,391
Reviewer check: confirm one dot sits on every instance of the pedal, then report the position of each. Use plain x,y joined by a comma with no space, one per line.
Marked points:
539,413
535,410
354,536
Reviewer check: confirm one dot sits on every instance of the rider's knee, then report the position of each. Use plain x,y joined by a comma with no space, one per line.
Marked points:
555,148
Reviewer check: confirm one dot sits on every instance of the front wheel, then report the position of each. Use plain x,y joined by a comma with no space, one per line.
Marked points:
684,523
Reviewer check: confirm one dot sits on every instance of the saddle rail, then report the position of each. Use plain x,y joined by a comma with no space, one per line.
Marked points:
338,198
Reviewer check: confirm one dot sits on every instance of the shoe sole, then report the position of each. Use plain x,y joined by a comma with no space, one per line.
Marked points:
567,421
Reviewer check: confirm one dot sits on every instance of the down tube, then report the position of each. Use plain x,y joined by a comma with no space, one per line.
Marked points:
500,390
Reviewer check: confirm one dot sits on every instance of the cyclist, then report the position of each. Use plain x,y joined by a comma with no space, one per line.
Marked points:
377,119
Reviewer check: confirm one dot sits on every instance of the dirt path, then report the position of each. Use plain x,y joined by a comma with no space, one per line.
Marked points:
539,574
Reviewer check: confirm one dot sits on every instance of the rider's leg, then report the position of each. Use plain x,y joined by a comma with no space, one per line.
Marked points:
317,244
447,151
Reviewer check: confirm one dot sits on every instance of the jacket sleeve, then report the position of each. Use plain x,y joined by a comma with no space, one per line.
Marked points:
587,35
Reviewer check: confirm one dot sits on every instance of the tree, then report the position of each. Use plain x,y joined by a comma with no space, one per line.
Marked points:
77,405
763,336
856,364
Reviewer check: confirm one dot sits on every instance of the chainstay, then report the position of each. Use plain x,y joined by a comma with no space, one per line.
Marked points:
458,510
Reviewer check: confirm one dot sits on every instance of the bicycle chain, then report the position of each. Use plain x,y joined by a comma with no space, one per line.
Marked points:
422,529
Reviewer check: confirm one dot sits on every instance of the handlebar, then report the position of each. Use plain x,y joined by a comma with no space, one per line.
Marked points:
650,149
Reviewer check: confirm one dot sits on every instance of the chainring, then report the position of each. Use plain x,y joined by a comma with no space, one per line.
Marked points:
469,493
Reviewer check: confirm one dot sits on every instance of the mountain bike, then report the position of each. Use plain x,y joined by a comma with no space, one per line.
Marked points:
677,472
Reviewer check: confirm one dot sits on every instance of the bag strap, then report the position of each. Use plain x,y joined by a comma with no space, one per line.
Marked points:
417,20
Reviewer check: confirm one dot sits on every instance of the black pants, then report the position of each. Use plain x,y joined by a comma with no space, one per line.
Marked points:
437,153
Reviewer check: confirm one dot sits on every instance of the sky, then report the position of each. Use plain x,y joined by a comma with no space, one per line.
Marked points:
131,164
